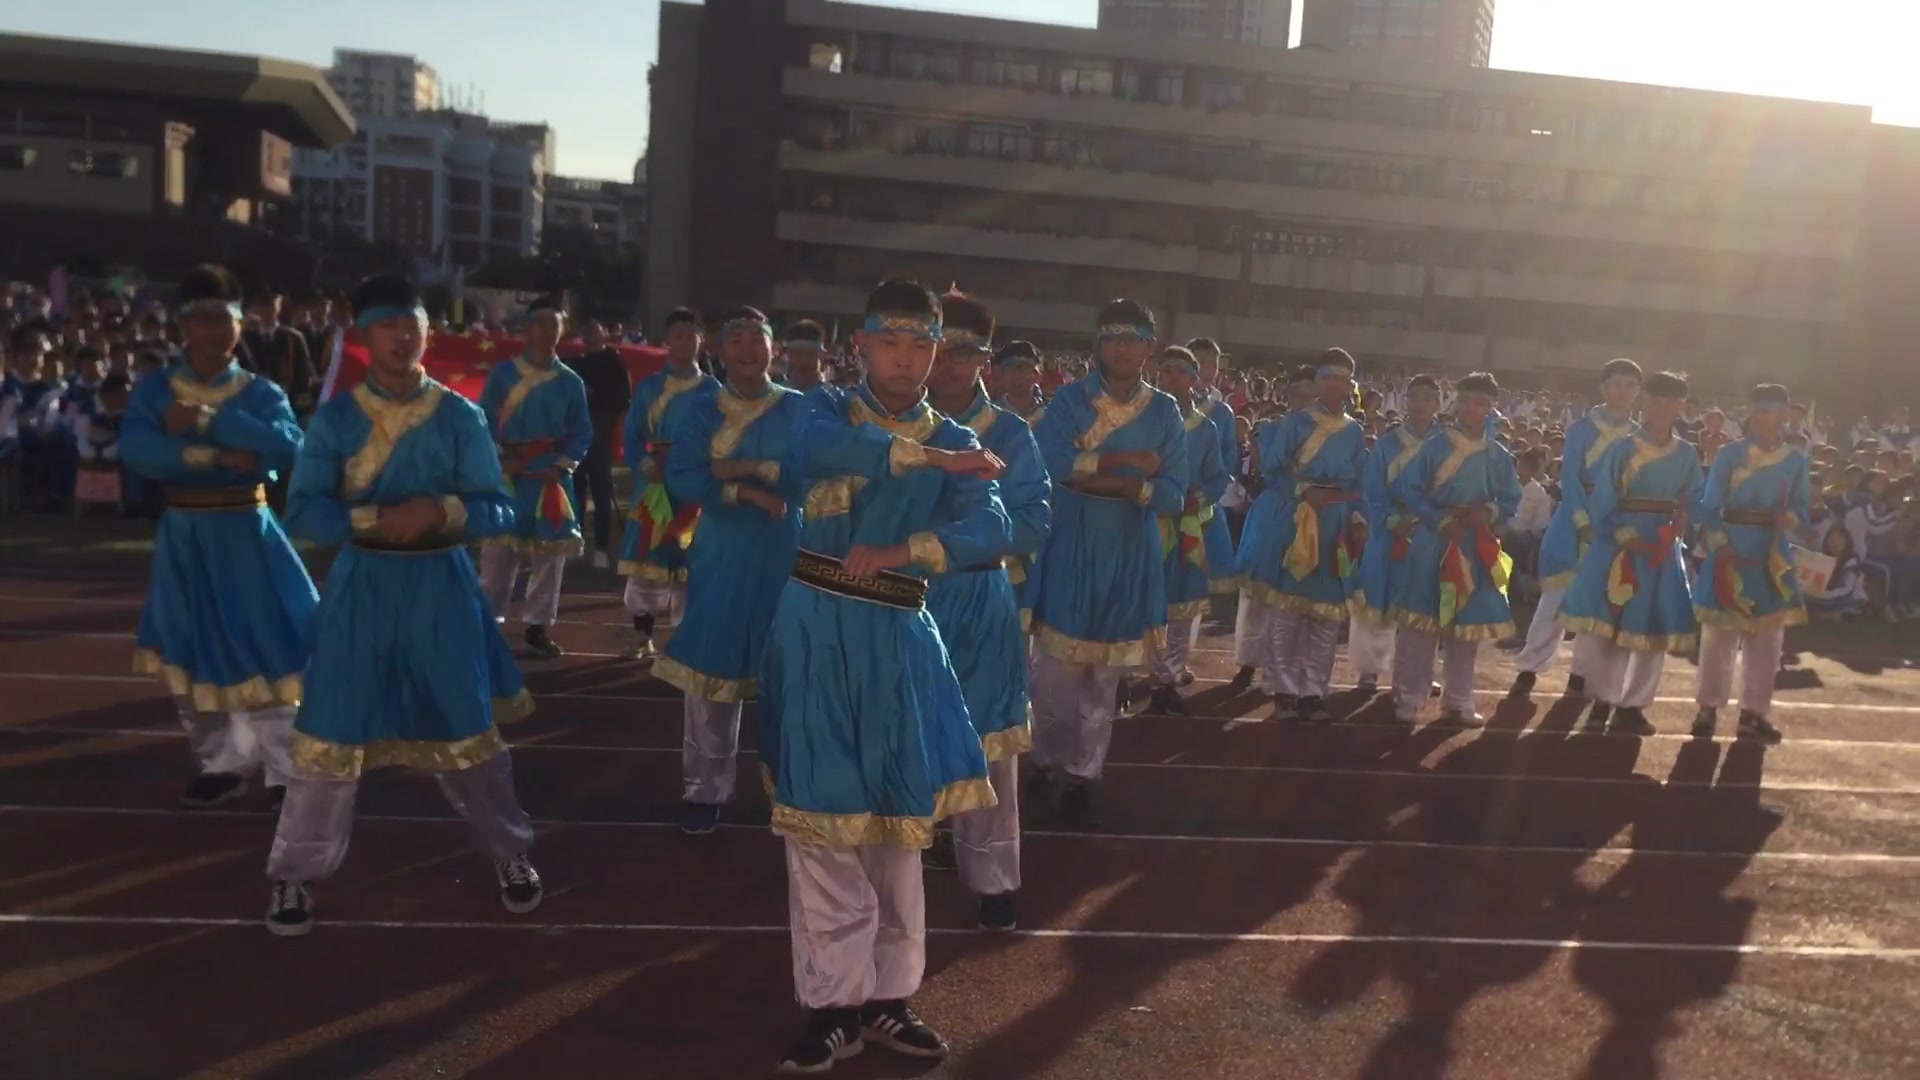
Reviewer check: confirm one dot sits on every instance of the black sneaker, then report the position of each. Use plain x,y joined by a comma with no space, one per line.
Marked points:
278,793
520,888
894,1025
1041,800
1242,680
1704,723
1309,707
1523,685
1631,722
1576,686
1076,804
212,789
541,644
699,818
1123,696
641,647
1598,716
290,911
832,1035
1166,702
1754,726
1185,679
1368,684
940,855
996,914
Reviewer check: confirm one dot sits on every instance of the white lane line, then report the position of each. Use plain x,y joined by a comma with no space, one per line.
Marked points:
1784,704
1807,952
1863,858
1176,766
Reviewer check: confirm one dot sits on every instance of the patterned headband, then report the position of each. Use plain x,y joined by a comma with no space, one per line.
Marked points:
383,312
961,339
1123,332
209,307
747,322
918,326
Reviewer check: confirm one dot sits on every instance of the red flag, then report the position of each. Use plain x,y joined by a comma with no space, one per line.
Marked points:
462,362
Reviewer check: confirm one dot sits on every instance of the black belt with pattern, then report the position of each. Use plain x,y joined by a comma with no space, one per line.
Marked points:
828,574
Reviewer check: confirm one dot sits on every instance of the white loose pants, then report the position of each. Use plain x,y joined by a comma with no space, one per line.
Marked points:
241,742
1414,652
1300,652
1073,713
986,842
500,565
1758,652
710,741
858,919
1616,675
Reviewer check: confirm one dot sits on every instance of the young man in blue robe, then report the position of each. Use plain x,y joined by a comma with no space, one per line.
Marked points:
1630,600
653,553
1571,530
864,729
1747,592
1116,449
1016,378
537,410
979,615
1186,537
804,354
1371,631
1304,537
1223,569
729,446
1452,585
1253,622
408,665
230,609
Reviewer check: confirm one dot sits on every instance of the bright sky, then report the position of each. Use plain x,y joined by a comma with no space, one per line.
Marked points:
585,70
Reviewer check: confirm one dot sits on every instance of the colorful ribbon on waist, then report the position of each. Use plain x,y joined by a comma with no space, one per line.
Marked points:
1457,584
1623,579
1729,587
1303,555
1188,533
553,505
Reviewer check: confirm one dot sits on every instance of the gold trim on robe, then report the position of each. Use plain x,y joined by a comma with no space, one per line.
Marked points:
188,390
1010,742
982,421
1644,454
1325,426
1102,653
1755,460
860,830
1110,415
700,685
670,388
736,415
1669,643
1745,624
1412,444
1609,434
1430,624
258,692
1463,448
827,498
1189,610
566,545
917,428
1266,594
651,573
531,379
392,421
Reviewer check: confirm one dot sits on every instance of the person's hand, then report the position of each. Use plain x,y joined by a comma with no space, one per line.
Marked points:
511,462
1146,461
241,461
774,505
864,561
182,418
409,521
1453,527
981,464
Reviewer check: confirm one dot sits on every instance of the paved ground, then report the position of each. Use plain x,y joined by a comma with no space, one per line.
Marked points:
1263,899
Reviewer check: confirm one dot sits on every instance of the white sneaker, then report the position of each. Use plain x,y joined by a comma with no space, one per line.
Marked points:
601,562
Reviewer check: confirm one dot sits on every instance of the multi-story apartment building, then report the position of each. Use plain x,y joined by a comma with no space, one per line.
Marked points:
445,186
1443,32
383,84
1422,216
614,213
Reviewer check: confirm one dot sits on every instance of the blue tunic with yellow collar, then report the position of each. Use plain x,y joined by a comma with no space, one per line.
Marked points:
660,524
1102,596
1188,538
1455,586
1747,582
408,665
738,564
1298,557
1631,587
1223,564
540,414
230,606
975,606
864,729
1387,519
1588,440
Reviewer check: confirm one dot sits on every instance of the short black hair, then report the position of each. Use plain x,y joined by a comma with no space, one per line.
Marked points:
1130,312
963,312
806,330
1304,373
1481,382
87,354
1666,384
1336,355
899,296
1199,343
210,281
744,311
1177,352
1021,348
1622,366
1770,394
1427,381
683,315
1535,458
116,380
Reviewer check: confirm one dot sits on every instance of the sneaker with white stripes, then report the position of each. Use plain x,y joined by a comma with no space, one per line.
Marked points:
520,888
832,1035
894,1025
290,911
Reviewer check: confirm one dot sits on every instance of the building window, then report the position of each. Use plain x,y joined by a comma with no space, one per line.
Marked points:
1086,78
104,165
925,60
1006,71
999,140
1222,93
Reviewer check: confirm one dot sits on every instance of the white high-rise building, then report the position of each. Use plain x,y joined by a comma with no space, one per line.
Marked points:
383,84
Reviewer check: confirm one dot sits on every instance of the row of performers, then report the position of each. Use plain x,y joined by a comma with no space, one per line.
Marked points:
875,565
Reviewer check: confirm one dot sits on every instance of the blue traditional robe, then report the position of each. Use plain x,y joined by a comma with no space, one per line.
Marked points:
1223,566
659,401
1747,490
1297,558
1024,569
1455,590
1631,587
864,729
1187,538
1387,519
1102,596
738,564
1588,440
975,607
408,666
545,410
230,608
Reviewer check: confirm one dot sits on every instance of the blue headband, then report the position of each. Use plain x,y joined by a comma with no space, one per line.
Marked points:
747,322
383,312
959,338
1769,406
918,326
1191,366
209,307
1123,331
1333,369
1008,359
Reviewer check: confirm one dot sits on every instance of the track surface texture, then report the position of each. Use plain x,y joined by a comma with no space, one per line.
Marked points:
1263,898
